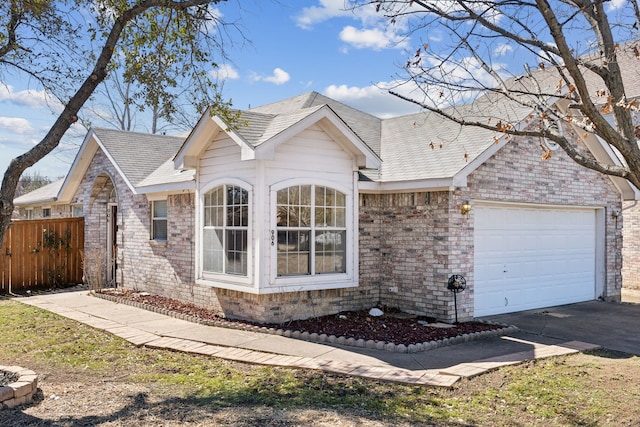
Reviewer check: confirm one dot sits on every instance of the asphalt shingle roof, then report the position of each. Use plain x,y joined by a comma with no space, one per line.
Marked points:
138,155
46,193
366,126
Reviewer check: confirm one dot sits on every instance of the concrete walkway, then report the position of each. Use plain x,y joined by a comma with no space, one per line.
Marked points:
438,367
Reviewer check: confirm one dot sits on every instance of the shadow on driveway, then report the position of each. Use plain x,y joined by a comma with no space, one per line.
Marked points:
615,326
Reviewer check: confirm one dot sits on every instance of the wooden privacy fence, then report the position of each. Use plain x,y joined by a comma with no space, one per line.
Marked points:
42,253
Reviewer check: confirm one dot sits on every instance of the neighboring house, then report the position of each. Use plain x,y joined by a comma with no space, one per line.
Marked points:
315,207
43,203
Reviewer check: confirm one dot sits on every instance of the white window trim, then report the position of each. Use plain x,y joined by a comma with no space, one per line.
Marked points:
348,279
220,280
28,213
153,219
50,212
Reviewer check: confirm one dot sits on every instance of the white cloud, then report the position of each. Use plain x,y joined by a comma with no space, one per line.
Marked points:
375,99
278,77
28,98
375,38
16,125
326,10
224,72
615,5
502,49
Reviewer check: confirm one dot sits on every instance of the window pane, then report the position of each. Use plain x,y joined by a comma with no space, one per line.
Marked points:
341,217
237,207
305,195
321,219
160,229
212,253
77,210
236,252
330,251
160,209
293,253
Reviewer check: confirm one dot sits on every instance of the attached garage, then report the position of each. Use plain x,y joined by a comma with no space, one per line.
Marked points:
528,257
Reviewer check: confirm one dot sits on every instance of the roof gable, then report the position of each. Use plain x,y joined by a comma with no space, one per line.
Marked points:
134,155
260,133
366,126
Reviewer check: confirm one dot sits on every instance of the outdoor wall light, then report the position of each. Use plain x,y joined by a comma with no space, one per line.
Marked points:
465,208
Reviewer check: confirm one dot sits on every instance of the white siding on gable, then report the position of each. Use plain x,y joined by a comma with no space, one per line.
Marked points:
313,154
222,159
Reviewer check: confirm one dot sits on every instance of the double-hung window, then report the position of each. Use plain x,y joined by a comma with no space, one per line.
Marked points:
225,230
159,220
311,230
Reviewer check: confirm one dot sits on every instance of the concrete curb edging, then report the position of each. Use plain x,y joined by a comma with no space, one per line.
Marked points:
322,338
20,391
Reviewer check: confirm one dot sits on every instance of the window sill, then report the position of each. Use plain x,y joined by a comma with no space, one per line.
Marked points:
158,243
299,286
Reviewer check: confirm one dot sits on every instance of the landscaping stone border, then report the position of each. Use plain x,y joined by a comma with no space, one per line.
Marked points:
322,338
20,391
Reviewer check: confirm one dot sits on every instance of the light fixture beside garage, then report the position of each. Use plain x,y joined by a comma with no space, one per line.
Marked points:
465,208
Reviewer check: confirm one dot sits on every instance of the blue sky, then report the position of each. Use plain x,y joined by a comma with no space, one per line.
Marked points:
291,47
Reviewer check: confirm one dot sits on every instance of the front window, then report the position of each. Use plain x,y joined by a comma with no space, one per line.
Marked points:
311,227
159,220
46,212
77,211
225,230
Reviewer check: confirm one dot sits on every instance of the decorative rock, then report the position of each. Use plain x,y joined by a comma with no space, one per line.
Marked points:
370,344
379,345
360,342
401,348
376,312
313,337
21,391
341,340
295,334
350,341
322,337
390,346
332,338
6,393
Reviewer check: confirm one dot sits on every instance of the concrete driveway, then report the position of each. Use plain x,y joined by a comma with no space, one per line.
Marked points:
615,326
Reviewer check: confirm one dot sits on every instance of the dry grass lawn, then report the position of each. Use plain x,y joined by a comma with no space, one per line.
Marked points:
90,378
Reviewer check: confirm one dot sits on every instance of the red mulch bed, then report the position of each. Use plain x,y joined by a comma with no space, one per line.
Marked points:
393,327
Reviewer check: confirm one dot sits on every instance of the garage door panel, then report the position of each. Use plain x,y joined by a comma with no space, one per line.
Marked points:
532,257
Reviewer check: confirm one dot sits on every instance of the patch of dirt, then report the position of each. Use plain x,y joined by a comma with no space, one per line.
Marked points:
392,327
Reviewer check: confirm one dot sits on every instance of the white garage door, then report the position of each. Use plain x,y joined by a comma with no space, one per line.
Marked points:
529,258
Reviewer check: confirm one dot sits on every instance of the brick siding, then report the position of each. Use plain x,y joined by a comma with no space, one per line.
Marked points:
410,241
631,246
